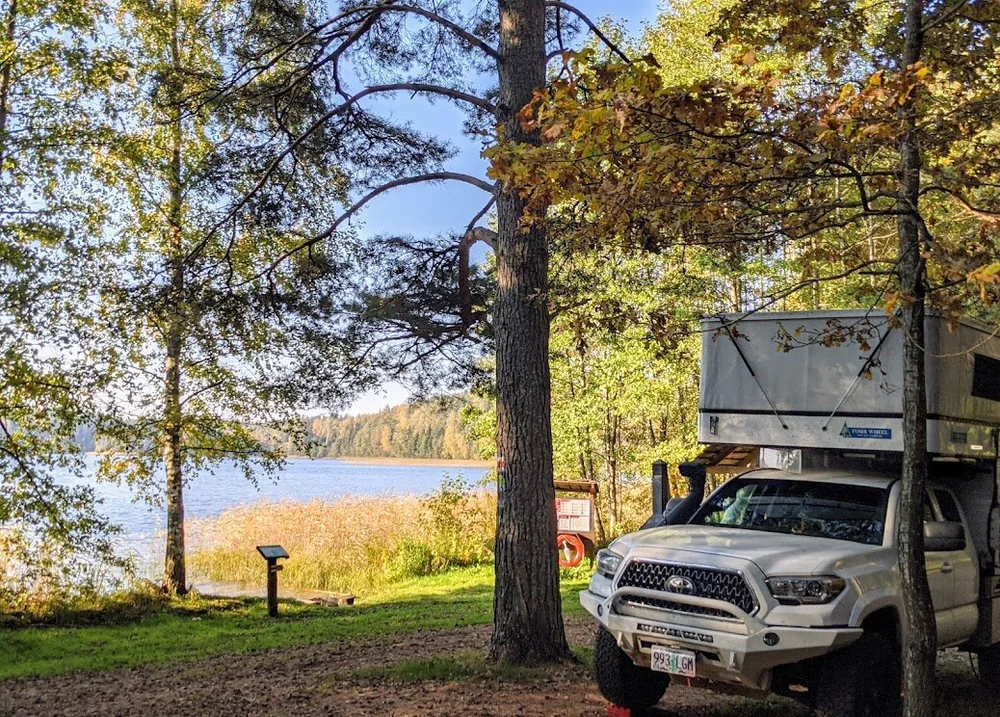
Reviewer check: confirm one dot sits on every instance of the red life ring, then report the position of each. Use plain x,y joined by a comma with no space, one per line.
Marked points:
571,550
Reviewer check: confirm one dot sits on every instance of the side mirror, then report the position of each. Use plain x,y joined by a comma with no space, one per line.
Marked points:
944,537
657,520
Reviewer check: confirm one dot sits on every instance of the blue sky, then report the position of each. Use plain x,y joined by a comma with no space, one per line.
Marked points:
438,209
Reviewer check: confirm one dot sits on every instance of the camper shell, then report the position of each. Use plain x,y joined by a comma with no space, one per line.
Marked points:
815,390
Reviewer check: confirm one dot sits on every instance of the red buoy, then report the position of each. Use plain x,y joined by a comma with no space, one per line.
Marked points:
571,550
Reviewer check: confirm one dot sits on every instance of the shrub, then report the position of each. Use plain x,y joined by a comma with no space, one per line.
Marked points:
411,560
460,524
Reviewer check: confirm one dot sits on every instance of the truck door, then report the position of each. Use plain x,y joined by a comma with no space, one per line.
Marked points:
941,577
965,564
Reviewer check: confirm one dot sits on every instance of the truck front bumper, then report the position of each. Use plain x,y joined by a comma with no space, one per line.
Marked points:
743,651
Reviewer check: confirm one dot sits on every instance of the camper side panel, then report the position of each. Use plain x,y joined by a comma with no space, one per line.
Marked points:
833,379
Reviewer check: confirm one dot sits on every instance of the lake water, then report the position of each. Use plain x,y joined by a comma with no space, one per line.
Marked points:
206,496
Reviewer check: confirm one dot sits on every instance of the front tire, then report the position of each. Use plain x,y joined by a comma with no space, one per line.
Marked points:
622,682
861,680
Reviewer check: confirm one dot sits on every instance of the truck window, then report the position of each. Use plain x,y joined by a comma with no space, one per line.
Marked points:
825,510
948,506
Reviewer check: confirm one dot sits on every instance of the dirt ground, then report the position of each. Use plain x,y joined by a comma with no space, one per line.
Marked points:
317,680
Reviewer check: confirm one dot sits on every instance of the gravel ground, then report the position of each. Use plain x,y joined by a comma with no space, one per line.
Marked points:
317,680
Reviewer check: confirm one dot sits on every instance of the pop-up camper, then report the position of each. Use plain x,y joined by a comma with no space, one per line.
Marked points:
785,579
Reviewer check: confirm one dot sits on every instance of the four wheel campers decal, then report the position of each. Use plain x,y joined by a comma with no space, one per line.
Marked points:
865,432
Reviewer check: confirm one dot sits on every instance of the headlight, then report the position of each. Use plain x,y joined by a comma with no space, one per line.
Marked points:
806,591
608,562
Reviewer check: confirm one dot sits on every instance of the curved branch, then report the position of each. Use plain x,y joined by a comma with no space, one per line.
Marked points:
473,235
433,17
357,206
944,15
414,87
981,213
589,23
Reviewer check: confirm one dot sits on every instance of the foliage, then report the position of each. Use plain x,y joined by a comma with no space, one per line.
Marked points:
625,330
895,142
744,163
424,429
52,67
624,355
217,340
109,605
459,524
42,578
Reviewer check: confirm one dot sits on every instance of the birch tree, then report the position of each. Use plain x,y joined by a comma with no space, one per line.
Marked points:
53,65
209,354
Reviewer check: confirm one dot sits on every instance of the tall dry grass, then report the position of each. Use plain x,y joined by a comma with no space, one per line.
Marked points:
354,544
40,581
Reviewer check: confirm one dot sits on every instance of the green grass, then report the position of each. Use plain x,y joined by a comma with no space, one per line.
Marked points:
192,628
469,665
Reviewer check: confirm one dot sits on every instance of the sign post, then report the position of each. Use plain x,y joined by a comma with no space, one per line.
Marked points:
272,553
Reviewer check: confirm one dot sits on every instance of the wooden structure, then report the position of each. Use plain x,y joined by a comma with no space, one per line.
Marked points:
575,517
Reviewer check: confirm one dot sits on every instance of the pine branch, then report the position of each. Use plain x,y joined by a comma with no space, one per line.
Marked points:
357,206
558,4
415,87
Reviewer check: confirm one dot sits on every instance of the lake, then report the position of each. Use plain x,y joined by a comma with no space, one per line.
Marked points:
206,496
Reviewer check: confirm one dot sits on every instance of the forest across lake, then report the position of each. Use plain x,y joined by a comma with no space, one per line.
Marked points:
431,429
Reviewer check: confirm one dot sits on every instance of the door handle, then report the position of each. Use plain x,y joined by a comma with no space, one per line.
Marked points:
947,568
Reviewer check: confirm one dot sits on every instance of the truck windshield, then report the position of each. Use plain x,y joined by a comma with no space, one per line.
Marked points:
825,510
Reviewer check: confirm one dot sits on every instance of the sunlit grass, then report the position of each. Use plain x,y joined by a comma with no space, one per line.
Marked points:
195,627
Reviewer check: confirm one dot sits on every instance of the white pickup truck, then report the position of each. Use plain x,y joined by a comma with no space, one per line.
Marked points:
786,582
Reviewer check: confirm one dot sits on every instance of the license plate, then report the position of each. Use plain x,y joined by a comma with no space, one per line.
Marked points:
676,662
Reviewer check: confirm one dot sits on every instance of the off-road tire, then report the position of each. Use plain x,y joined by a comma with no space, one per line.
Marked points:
860,680
621,681
989,669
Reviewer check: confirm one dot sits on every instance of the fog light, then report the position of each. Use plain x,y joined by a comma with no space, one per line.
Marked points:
600,610
771,639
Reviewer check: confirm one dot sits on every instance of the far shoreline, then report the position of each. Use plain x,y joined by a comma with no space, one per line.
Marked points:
383,461
455,462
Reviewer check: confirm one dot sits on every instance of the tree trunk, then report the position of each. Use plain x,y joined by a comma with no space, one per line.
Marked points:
735,295
527,612
600,533
174,569
6,75
609,468
919,626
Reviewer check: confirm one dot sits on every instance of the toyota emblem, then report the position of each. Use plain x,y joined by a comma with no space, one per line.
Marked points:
679,584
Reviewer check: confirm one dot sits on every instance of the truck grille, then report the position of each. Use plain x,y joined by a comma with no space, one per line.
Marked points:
726,585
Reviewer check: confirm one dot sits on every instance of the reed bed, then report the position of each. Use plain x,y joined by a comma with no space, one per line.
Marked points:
353,544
